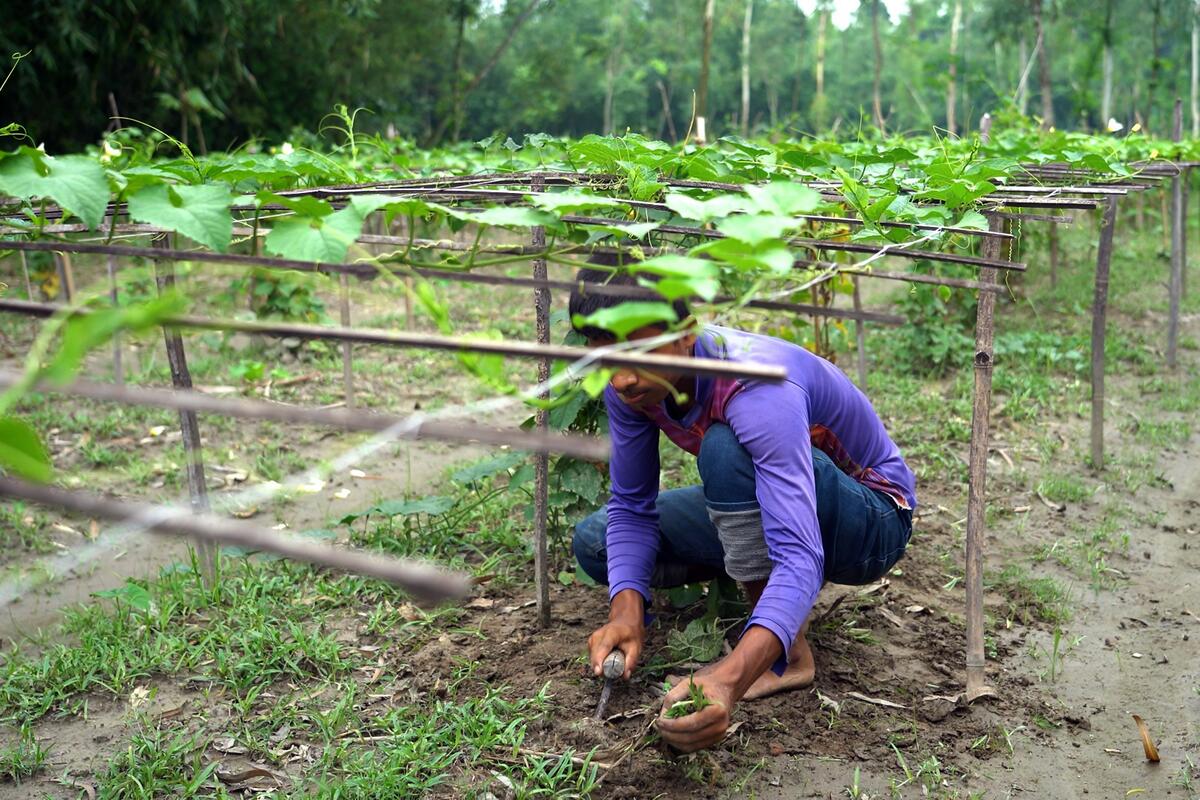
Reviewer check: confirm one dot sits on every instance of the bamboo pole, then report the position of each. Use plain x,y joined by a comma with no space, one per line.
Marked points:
976,680
117,365
347,346
66,276
413,427
1099,311
1175,288
189,426
1053,236
25,272
603,356
424,581
860,338
541,464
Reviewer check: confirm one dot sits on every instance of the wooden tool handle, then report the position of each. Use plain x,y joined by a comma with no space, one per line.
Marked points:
614,665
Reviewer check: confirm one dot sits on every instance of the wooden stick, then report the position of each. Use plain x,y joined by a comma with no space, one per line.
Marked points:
117,365
181,378
860,338
976,496
1175,287
25,272
347,347
422,580
66,277
1099,311
604,356
367,271
1053,236
413,427
541,464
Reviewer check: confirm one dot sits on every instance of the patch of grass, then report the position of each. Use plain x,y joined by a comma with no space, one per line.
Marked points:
1030,598
24,759
1165,433
23,528
1064,488
158,763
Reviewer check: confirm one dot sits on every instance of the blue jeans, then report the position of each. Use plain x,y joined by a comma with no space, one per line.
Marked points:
863,531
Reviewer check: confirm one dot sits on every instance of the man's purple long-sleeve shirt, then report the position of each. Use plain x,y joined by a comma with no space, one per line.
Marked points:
777,424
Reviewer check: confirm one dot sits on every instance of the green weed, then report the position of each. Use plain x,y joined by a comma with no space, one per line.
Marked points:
24,759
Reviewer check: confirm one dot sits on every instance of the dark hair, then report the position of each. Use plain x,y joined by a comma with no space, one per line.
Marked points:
585,302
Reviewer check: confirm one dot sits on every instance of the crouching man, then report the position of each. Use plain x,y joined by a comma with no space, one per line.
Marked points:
800,485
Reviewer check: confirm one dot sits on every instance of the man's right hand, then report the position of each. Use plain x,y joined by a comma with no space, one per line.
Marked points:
625,631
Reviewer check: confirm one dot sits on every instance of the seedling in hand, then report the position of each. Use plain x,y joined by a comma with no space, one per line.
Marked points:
696,701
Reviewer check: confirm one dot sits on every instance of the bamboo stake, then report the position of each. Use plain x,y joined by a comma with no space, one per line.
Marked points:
541,464
1053,255
347,347
422,580
1183,237
181,377
976,497
117,366
860,337
1175,289
1099,311
412,427
66,278
25,272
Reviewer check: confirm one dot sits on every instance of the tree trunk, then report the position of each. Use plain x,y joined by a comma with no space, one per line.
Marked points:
952,86
1023,80
1107,89
702,88
610,83
668,117
1044,68
876,100
820,111
1155,66
1196,70
456,75
486,69
746,68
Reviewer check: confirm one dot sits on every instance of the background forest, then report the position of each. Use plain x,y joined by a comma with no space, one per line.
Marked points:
218,73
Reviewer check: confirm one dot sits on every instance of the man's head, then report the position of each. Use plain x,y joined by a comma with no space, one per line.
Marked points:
640,388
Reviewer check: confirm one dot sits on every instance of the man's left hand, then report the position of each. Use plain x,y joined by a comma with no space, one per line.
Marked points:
702,728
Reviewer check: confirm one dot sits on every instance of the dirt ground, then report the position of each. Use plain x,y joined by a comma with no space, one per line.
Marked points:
882,719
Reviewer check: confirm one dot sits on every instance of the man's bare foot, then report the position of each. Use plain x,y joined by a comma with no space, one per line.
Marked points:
800,672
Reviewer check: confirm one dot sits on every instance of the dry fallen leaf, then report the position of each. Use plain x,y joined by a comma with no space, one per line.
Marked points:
139,697
878,701
1147,743
342,494
481,602
245,513
357,473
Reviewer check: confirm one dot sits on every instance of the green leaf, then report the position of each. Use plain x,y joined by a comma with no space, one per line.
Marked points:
76,183
571,201
434,504
22,451
973,220
626,318
84,332
682,276
566,578
580,478
705,210
485,469
770,256
754,230
325,239
784,197
135,595
594,382
513,216
200,213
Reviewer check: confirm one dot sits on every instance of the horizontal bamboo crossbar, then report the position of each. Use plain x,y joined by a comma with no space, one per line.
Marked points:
419,579
413,427
603,356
